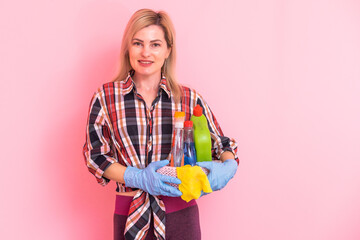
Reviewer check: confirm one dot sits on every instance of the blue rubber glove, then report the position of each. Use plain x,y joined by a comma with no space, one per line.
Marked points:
150,181
220,172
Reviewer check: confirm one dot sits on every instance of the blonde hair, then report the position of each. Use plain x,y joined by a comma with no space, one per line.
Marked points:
139,20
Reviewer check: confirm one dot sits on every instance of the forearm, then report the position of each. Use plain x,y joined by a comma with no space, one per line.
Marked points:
227,155
115,172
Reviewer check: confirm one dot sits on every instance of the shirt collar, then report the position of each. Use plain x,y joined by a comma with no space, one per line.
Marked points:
164,86
128,84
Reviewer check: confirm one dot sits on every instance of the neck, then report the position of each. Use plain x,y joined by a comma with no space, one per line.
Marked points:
147,83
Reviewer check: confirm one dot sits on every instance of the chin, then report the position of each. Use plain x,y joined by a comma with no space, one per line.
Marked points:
146,73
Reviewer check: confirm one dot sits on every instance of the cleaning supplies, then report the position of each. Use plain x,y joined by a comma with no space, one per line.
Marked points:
202,136
189,145
193,181
177,152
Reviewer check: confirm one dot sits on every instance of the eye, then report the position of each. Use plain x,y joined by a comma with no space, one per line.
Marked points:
156,45
137,43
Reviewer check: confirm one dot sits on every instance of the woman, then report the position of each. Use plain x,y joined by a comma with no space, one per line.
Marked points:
129,135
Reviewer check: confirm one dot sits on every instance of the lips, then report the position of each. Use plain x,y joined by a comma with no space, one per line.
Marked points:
145,63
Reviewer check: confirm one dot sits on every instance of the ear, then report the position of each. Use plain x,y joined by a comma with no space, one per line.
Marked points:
168,52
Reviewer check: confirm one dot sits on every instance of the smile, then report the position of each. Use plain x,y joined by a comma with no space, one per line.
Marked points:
145,63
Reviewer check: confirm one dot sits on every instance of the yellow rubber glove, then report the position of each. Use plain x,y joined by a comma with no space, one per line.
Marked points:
193,181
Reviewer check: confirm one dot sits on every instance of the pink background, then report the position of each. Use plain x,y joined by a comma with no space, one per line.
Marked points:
283,78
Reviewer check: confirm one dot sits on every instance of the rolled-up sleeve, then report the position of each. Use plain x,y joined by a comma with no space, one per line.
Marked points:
97,149
220,143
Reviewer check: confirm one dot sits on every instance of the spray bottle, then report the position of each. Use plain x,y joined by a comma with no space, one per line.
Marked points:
189,145
177,156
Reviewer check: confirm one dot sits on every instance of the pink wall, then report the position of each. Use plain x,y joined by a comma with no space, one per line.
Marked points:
290,83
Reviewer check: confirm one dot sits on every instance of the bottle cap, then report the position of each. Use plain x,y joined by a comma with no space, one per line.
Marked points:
197,111
179,119
179,114
188,124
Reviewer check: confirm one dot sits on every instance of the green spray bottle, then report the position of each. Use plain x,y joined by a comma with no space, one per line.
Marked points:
202,136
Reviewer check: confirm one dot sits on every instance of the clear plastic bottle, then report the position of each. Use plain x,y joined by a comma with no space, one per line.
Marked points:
189,145
177,151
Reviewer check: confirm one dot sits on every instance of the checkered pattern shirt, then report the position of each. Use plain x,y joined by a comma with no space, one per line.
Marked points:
122,129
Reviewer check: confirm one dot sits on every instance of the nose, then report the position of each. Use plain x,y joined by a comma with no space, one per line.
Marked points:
145,51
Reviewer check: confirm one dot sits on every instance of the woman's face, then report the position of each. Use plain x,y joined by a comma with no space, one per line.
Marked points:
148,51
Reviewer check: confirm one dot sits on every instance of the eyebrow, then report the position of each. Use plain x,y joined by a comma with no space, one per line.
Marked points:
156,40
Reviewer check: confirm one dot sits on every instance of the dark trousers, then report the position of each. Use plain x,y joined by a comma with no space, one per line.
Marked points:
180,225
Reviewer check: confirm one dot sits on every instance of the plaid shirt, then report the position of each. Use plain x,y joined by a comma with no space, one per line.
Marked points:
122,129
